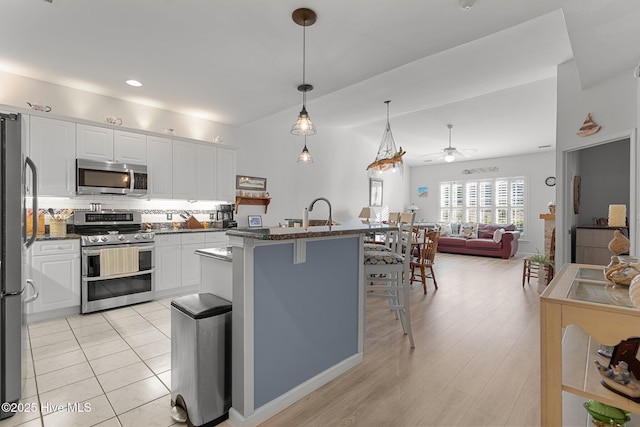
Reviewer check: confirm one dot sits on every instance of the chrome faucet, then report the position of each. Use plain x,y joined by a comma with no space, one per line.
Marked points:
328,203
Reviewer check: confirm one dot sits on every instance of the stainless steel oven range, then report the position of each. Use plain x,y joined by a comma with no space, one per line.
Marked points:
117,259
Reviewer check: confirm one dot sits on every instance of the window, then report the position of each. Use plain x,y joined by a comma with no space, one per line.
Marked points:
499,201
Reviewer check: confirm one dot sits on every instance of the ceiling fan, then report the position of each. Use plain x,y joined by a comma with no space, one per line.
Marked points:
449,154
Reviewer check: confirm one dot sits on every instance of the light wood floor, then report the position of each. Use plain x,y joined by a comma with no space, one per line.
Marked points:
476,361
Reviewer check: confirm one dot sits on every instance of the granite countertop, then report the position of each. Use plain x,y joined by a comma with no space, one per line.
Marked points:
46,237
287,233
223,254
189,230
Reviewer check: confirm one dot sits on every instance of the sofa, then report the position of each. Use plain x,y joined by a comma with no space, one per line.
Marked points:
493,240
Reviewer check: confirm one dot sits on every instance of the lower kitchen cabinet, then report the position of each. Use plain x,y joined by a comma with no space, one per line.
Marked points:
177,266
167,263
55,271
190,261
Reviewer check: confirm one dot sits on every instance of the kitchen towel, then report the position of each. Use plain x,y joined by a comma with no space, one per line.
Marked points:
119,261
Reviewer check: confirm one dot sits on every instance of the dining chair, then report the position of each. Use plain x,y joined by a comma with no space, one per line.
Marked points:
425,260
386,275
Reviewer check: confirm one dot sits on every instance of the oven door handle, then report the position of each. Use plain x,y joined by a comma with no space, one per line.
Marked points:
94,252
116,276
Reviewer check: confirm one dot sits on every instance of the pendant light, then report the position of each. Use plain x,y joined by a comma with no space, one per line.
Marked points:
388,157
305,156
303,126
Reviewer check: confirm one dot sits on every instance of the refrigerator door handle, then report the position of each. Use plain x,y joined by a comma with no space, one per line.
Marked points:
35,295
34,217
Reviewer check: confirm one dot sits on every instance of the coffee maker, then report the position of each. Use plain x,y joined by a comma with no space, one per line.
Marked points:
224,217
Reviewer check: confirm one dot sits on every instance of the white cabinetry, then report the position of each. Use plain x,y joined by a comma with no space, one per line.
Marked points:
226,174
177,265
129,147
55,271
206,179
212,178
53,149
160,167
216,239
184,170
190,261
167,262
94,143
103,144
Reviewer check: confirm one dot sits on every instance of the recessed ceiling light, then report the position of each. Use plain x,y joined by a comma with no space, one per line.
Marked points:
134,83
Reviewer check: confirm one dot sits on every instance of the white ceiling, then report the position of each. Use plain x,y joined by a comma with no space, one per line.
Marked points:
489,71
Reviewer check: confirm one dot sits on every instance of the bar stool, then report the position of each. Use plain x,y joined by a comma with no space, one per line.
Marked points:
387,275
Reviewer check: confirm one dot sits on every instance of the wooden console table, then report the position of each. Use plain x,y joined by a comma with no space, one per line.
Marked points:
593,311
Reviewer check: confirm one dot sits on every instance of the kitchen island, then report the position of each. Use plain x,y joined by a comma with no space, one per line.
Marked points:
298,313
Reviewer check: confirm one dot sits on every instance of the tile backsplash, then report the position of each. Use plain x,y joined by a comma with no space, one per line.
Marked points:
153,211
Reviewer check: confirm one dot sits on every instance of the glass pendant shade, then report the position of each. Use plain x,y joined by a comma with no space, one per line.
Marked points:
388,157
303,126
305,156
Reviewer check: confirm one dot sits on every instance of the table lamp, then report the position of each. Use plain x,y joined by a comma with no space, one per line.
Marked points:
365,214
617,215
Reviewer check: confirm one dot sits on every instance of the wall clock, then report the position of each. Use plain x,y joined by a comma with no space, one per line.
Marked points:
550,181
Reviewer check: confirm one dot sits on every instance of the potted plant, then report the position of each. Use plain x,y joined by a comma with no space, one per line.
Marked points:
543,262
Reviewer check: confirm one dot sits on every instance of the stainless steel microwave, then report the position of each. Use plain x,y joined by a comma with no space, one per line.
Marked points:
93,177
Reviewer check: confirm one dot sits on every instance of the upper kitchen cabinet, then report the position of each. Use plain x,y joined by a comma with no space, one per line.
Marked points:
195,172
53,149
160,167
226,174
129,147
206,185
103,144
184,170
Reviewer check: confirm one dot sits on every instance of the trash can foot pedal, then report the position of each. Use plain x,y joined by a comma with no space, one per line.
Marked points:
178,411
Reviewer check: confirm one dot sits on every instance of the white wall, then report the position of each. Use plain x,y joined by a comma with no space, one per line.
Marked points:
338,173
79,104
613,104
535,167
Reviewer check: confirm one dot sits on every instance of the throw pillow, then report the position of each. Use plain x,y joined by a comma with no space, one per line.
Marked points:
455,228
497,235
469,230
445,229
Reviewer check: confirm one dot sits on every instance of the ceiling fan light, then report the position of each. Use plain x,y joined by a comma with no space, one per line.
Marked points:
449,158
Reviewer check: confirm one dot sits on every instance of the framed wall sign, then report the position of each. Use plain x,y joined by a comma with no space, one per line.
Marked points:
375,192
250,183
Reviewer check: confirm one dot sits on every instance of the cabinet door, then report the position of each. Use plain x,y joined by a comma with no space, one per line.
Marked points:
226,174
57,279
184,170
160,167
129,147
191,265
206,170
94,143
168,267
53,149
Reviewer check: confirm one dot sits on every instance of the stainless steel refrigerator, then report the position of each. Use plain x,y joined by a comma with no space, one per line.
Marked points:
16,170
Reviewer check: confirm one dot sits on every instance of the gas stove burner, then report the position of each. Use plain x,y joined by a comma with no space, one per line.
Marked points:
111,228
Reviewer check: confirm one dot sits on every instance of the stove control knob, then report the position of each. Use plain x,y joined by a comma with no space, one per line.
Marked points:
94,239
104,238
146,236
121,237
137,237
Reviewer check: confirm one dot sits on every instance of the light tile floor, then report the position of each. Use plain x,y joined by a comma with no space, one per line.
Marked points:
105,369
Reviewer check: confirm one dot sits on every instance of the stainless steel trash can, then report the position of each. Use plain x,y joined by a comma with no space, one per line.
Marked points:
201,358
